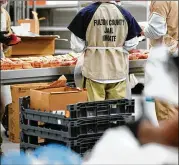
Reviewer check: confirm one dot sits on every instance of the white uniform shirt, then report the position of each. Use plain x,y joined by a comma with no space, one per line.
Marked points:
119,146
156,28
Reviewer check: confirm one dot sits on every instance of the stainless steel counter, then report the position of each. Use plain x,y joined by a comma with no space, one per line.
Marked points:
34,75
50,74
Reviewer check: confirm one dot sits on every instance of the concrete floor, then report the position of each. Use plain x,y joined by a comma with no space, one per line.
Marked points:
150,110
8,146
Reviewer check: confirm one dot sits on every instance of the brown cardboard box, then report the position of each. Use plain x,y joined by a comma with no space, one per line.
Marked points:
33,23
40,45
17,91
54,99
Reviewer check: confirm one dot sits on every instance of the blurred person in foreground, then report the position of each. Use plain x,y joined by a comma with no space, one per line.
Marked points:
103,31
162,28
135,143
142,142
7,38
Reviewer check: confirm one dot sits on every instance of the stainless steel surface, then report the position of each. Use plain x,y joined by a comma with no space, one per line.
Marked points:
53,29
45,74
56,6
23,9
139,10
15,13
19,10
34,5
27,10
140,78
8,7
62,51
34,75
137,63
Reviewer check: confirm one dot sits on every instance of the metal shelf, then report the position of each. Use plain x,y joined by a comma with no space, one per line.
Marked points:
53,29
55,6
34,75
62,51
50,74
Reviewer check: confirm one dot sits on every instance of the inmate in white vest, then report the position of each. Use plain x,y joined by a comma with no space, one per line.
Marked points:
105,58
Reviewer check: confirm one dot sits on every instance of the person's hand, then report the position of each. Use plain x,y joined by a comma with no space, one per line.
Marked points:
3,36
142,32
147,133
13,40
169,130
166,134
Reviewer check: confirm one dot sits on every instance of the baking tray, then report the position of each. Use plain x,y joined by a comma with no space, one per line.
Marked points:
137,63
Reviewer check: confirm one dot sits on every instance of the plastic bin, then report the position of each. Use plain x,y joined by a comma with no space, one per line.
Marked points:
94,109
86,125
75,129
101,108
80,146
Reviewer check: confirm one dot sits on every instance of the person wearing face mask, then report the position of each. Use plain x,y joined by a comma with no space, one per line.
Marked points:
162,28
103,31
141,142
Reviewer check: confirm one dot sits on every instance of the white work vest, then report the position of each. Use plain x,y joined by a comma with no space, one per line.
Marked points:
104,57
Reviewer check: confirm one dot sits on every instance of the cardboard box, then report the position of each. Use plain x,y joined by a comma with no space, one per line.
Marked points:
56,99
40,45
18,91
31,24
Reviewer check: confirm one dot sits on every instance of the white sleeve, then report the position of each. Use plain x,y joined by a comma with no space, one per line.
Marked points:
131,44
77,44
119,146
112,147
156,27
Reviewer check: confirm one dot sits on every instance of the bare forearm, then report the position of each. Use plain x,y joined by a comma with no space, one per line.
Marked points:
166,134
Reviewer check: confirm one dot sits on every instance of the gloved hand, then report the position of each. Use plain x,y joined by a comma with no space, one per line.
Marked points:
3,36
13,40
9,40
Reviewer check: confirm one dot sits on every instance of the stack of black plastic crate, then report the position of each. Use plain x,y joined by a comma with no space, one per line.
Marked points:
86,124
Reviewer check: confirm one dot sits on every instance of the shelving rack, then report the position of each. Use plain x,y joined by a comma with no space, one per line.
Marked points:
58,18
60,15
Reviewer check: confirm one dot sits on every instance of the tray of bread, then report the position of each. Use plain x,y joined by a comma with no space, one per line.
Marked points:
138,58
39,62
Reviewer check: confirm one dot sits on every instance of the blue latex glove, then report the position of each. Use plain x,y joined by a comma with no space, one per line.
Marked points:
51,154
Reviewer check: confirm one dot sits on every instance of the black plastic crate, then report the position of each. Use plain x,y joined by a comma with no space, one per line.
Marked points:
93,109
80,146
71,84
27,146
74,129
102,108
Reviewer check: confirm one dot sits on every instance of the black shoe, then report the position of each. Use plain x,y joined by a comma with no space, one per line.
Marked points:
1,153
138,89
